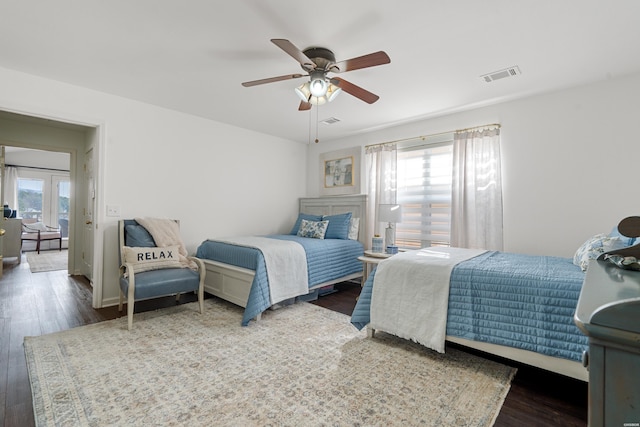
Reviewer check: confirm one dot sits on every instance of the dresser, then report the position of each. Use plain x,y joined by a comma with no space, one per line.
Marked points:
11,241
608,312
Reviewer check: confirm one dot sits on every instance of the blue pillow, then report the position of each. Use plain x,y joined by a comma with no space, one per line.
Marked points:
136,236
626,241
302,216
338,226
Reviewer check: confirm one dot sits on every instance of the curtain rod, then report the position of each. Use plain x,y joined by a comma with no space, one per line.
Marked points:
423,137
36,167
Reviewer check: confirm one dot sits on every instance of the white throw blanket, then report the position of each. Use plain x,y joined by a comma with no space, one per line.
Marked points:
286,263
166,232
411,294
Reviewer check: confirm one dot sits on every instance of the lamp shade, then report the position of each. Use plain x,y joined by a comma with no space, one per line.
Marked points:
390,213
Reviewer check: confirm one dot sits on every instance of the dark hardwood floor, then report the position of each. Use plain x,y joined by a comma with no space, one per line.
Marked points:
40,303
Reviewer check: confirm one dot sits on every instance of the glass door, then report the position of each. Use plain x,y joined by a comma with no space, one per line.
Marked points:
31,201
61,196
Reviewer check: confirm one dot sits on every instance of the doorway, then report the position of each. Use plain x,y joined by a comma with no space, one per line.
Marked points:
73,140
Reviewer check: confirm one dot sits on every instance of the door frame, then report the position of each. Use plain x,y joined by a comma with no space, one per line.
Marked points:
95,136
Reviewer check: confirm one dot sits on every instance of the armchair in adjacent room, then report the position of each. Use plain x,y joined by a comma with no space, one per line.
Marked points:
149,271
38,232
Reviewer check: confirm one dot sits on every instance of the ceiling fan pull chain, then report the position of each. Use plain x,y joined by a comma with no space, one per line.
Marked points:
317,108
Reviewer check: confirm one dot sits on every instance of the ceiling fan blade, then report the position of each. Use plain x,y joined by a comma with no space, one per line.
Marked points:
354,90
295,53
304,106
365,61
272,79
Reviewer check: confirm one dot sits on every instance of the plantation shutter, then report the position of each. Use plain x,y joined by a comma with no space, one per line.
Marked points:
424,175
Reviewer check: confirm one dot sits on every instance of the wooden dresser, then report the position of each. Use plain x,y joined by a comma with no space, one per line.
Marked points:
608,312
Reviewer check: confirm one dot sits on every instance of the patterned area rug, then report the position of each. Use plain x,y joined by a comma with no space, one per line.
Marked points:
299,365
47,260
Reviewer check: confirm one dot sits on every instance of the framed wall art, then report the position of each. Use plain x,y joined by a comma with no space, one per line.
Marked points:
340,172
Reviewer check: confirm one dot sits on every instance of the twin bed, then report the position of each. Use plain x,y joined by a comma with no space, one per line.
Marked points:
515,306
238,273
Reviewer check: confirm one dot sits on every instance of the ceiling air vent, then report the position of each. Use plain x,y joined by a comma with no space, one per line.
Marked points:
330,121
497,75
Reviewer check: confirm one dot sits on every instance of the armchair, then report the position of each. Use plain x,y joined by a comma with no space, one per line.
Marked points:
148,271
39,232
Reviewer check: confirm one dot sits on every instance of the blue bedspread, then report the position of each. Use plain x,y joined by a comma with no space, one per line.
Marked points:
327,260
514,300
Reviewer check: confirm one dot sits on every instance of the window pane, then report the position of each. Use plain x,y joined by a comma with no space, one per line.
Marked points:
64,193
424,191
30,197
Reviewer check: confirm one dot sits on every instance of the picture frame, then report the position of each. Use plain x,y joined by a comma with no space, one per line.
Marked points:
340,172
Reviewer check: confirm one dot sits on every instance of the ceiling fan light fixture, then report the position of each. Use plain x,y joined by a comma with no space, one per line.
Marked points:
332,92
304,92
318,84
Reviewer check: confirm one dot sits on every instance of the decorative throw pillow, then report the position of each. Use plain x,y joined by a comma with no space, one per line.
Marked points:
594,247
354,226
145,258
302,216
36,226
338,226
138,236
313,229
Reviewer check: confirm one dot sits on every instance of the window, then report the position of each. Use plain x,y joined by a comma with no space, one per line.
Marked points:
43,195
30,198
424,177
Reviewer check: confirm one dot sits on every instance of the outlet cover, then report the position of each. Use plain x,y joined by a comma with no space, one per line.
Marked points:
113,210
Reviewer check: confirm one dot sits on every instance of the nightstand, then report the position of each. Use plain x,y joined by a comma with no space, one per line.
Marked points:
369,259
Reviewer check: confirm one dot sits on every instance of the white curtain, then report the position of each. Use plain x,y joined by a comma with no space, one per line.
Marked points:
381,161
10,187
476,205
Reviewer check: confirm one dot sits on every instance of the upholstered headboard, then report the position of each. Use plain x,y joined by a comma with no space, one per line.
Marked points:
357,205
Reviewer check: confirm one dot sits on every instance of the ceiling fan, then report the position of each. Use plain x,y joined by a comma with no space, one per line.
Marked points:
317,62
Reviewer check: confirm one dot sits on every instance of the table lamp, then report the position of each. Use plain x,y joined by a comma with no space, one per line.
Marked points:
391,214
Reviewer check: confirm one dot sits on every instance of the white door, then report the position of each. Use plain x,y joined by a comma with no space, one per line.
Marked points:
87,230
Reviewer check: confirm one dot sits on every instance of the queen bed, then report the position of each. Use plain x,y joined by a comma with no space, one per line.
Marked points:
244,270
515,306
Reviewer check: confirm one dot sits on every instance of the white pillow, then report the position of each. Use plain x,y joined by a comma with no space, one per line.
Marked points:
313,229
594,247
145,259
37,226
354,225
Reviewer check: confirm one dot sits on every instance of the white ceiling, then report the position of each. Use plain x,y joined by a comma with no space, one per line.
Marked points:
192,55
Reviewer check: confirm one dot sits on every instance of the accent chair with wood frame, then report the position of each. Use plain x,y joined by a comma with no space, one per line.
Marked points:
39,232
166,277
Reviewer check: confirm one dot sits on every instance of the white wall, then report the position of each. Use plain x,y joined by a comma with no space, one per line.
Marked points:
568,161
217,179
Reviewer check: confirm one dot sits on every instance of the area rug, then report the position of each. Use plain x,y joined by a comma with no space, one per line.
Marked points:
47,260
301,365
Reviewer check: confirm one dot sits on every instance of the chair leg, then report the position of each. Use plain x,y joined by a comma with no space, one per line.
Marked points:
60,245
130,314
177,297
38,246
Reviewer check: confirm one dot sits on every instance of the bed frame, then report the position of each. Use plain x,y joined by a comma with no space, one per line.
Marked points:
564,367
233,283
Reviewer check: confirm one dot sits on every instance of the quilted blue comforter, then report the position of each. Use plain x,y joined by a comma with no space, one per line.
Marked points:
514,300
327,260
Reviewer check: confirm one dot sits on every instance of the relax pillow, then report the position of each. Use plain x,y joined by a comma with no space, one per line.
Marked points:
313,229
594,247
146,258
138,236
338,226
302,216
